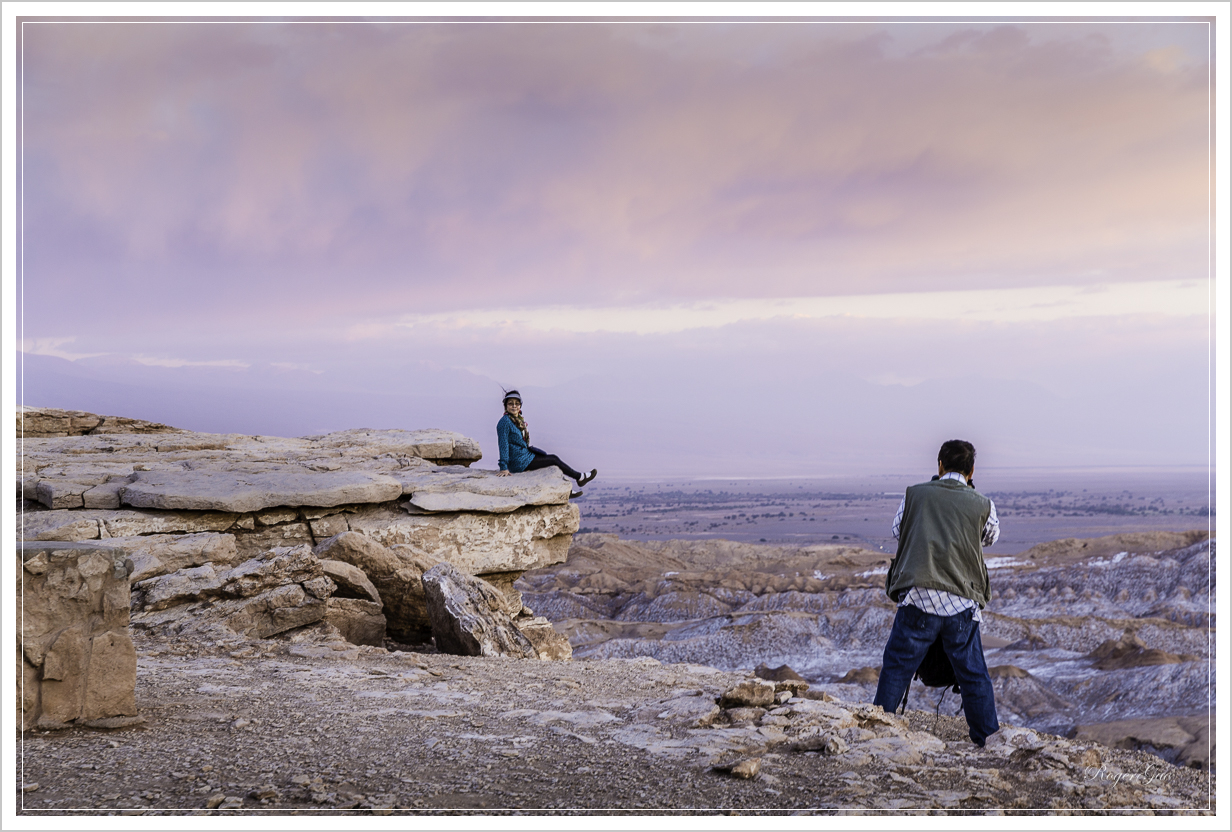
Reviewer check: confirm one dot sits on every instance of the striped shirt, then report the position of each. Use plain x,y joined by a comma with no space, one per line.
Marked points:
938,601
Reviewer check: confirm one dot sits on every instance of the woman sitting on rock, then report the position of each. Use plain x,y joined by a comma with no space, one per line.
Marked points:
516,452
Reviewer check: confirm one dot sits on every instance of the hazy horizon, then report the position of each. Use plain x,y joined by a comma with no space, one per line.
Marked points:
779,248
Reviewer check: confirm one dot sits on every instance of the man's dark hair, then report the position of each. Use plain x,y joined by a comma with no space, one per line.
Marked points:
957,455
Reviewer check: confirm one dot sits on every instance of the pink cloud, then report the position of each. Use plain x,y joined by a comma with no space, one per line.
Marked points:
428,165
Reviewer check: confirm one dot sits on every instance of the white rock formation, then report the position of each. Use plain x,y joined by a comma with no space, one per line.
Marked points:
193,511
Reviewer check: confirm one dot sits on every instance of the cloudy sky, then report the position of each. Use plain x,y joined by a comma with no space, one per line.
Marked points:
710,248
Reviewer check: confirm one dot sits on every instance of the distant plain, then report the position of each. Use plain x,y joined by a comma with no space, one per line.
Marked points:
1034,506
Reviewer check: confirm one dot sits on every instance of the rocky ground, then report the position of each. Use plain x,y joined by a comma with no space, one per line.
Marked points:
1109,638
304,724
244,553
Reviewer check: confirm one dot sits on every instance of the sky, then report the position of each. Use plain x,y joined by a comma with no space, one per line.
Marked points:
710,248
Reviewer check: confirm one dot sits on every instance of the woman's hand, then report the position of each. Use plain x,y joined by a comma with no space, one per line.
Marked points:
502,473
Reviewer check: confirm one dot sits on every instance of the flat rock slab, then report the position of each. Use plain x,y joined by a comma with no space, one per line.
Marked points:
429,443
222,490
241,474
486,491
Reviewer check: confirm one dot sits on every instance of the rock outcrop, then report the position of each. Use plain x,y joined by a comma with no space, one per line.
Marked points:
231,531
45,422
396,575
290,725
77,661
471,617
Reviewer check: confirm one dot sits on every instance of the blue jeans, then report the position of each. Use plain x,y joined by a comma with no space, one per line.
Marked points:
913,633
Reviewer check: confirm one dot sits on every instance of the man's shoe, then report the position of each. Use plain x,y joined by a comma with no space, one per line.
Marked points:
573,495
587,477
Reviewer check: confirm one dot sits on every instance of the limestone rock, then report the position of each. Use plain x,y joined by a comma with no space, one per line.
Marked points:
351,581
77,660
36,422
105,495
477,543
274,492
782,673
109,674
178,588
62,493
468,618
272,612
322,587
431,443
827,743
504,582
395,573
549,644
359,621
227,489
93,524
743,715
688,711
275,568
485,491
744,769
751,693
160,554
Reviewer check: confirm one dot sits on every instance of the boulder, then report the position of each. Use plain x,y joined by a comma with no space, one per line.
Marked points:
782,673
687,711
77,659
351,581
746,769
503,582
468,616
826,743
396,576
180,587
275,568
549,644
272,612
751,693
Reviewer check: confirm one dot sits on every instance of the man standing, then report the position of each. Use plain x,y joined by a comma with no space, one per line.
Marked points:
940,583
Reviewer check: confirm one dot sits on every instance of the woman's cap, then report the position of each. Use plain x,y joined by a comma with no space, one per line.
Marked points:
512,394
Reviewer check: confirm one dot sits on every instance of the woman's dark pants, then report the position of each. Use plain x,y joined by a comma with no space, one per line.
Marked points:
548,460
913,633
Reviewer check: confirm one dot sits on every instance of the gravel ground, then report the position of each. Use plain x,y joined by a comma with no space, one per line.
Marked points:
282,726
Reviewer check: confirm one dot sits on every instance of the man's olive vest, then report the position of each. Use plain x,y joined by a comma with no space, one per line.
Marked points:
939,541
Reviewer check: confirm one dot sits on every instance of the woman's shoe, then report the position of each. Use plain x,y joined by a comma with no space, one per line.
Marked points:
587,477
